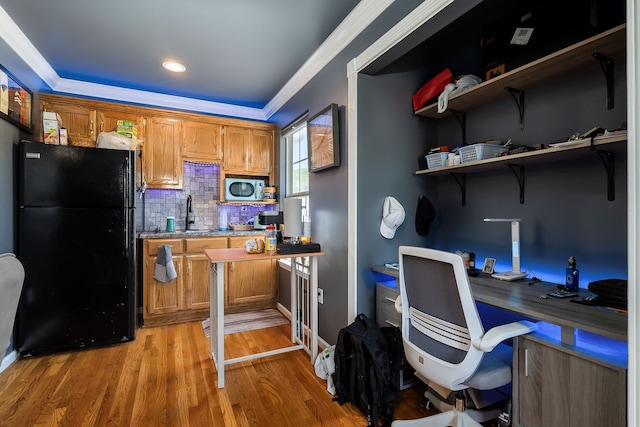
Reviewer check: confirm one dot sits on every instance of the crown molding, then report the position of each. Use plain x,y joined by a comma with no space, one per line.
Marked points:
96,90
421,14
22,46
360,17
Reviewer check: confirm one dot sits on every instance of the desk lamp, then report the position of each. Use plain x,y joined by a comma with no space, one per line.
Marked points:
515,272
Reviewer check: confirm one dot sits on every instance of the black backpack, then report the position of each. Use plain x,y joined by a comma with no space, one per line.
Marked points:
367,368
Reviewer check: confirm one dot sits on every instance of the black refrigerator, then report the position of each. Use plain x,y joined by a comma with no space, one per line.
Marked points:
76,240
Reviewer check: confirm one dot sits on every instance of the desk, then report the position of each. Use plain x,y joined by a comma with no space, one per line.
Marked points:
522,298
218,257
567,381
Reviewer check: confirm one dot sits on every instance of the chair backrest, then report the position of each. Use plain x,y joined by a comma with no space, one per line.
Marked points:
439,316
11,281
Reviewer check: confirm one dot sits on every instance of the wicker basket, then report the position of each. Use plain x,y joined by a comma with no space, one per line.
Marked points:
241,227
472,153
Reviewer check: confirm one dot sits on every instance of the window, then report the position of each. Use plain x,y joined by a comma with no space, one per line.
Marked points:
297,178
297,161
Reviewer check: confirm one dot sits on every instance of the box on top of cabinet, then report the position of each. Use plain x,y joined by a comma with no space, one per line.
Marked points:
126,128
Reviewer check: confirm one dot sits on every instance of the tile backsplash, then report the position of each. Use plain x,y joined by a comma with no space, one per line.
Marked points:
202,182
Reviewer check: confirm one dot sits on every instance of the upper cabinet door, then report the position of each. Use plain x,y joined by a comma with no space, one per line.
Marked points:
108,121
201,141
235,149
162,161
260,151
248,151
79,121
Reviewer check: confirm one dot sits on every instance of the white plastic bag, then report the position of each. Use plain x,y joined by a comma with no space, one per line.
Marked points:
325,366
115,141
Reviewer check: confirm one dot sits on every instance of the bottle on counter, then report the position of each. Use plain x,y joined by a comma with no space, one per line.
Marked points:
270,240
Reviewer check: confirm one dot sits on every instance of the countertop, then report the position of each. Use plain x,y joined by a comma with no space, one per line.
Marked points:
181,234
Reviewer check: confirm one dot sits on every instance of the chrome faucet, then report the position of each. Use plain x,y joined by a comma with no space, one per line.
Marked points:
190,217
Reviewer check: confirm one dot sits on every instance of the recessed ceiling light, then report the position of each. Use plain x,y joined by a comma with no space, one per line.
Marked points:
174,66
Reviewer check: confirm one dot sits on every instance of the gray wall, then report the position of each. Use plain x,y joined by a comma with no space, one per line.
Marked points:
328,188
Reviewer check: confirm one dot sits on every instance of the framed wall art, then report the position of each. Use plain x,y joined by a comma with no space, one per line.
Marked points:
15,101
323,129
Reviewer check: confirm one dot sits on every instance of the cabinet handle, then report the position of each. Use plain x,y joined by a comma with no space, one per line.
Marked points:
189,269
90,127
390,299
526,362
233,266
391,323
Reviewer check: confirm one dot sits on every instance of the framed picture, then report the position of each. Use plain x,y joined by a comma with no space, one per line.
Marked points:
15,101
489,264
323,139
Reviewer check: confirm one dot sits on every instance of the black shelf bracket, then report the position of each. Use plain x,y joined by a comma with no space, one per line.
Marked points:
607,67
609,160
519,173
462,119
462,183
519,102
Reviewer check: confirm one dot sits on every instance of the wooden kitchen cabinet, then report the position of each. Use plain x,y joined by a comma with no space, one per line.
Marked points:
247,150
197,285
108,121
249,285
185,298
557,386
78,119
201,141
161,154
161,298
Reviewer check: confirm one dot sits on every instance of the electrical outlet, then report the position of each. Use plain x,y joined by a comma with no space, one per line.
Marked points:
320,296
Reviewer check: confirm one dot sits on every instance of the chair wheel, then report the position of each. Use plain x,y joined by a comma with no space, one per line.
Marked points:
426,404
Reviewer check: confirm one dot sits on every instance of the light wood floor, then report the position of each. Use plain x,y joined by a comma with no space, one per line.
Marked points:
165,377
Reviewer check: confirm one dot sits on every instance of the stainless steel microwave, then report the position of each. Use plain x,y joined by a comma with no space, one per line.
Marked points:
240,189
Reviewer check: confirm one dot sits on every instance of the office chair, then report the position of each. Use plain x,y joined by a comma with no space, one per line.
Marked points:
11,281
444,340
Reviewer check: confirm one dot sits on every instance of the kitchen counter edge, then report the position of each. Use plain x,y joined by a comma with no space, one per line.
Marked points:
194,234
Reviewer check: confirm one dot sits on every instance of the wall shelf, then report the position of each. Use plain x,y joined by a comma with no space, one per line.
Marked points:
604,146
610,44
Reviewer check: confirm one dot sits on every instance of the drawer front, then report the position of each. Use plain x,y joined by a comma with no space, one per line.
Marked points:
199,245
154,244
386,314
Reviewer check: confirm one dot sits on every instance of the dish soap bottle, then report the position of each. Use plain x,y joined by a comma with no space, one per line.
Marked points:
572,275
270,240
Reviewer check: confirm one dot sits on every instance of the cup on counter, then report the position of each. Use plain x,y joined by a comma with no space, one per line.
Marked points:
171,224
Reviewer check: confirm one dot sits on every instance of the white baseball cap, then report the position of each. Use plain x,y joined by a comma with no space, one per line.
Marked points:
392,217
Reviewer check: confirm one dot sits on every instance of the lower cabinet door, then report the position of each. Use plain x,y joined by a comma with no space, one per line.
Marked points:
165,297
558,387
197,288
250,282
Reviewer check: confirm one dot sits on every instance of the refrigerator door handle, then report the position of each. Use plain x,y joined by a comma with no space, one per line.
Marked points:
126,182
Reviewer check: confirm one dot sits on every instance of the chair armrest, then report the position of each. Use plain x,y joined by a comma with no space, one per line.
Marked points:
495,336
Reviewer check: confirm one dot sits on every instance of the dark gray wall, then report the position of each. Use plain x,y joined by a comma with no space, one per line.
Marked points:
390,141
328,188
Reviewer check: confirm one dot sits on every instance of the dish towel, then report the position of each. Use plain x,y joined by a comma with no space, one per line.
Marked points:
164,270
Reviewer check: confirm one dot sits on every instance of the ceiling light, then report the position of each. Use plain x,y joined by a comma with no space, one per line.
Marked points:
174,66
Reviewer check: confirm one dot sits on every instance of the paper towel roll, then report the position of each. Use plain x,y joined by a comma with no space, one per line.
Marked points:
292,217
